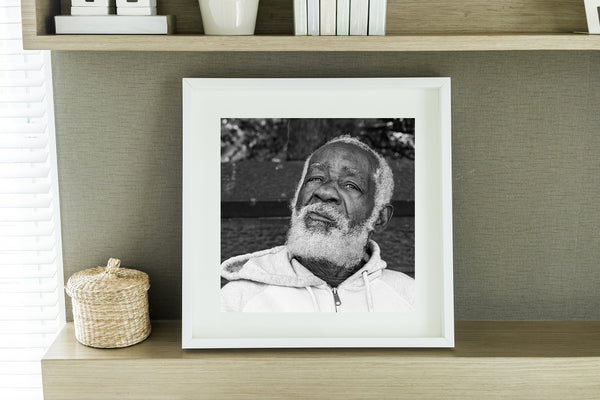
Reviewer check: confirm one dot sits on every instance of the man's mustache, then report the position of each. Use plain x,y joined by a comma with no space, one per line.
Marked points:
325,210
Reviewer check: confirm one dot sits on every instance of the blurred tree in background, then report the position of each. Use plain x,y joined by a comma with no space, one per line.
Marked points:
281,139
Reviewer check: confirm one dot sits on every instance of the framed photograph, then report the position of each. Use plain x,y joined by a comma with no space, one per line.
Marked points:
317,213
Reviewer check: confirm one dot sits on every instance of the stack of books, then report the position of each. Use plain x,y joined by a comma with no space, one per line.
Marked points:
136,7
98,17
92,7
339,17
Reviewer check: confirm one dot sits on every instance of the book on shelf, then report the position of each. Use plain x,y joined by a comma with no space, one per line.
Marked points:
300,17
343,18
377,12
114,24
359,17
136,3
328,13
92,3
101,10
313,12
136,10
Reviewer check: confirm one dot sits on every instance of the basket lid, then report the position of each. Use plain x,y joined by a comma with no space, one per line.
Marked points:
107,280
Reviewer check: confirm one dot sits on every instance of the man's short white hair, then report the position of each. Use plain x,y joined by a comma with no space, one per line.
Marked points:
383,176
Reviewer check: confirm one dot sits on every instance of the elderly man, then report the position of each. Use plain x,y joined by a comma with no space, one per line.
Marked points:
329,262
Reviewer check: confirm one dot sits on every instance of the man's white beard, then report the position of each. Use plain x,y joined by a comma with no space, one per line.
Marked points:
336,243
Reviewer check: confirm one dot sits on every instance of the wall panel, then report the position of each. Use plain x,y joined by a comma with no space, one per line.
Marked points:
525,151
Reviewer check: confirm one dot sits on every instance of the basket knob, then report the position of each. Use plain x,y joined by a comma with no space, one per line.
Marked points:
112,266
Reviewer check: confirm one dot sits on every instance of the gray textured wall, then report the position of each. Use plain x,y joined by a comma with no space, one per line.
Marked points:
526,167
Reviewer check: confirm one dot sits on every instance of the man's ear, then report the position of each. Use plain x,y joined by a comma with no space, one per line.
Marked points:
385,215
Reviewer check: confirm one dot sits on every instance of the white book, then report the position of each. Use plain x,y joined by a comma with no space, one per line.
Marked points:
359,17
93,3
92,10
114,24
313,17
300,17
377,11
328,12
136,3
136,10
343,17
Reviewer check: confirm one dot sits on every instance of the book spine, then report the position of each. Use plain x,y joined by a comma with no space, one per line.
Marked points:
92,10
300,17
313,17
136,3
377,12
136,10
359,17
114,24
328,11
93,3
343,17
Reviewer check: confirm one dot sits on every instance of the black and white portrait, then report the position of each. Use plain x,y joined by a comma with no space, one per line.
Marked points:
317,215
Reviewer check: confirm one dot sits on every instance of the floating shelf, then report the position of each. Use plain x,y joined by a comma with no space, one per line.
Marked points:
492,360
412,25
465,42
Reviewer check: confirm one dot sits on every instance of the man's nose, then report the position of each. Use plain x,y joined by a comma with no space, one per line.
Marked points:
327,193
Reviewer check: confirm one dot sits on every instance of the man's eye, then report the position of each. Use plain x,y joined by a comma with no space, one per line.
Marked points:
315,179
352,186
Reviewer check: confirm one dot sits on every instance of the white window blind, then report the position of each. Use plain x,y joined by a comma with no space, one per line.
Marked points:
31,278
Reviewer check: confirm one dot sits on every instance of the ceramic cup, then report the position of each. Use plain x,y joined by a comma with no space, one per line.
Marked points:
228,17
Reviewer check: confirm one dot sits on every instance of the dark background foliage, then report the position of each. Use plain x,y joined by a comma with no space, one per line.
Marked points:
283,139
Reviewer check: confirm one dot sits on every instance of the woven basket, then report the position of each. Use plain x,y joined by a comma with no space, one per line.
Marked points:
110,305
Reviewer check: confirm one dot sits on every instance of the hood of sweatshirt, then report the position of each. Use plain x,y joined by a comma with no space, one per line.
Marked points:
276,267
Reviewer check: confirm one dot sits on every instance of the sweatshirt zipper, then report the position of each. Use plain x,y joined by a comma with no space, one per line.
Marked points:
336,299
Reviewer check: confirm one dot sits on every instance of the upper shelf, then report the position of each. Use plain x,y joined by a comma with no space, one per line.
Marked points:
412,25
305,43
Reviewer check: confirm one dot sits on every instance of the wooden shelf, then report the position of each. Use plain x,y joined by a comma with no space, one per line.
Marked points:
492,360
306,43
412,25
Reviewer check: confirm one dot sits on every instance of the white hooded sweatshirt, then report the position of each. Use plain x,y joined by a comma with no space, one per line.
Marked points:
272,281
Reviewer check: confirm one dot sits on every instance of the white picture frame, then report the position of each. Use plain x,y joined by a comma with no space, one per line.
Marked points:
206,101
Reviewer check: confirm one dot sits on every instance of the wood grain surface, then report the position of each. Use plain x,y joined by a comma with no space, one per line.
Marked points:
492,360
259,43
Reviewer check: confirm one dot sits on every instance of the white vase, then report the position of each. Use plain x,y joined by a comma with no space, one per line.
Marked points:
228,17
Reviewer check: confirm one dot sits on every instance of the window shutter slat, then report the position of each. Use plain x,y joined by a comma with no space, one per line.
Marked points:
12,13
10,31
9,81
20,141
25,327
21,367
27,257
22,394
23,155
25,314
33,96
28,285
24,200
36,170
27,271
27,242
22,110
24,185
23,128
28,299
29,354
26,228
15,62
